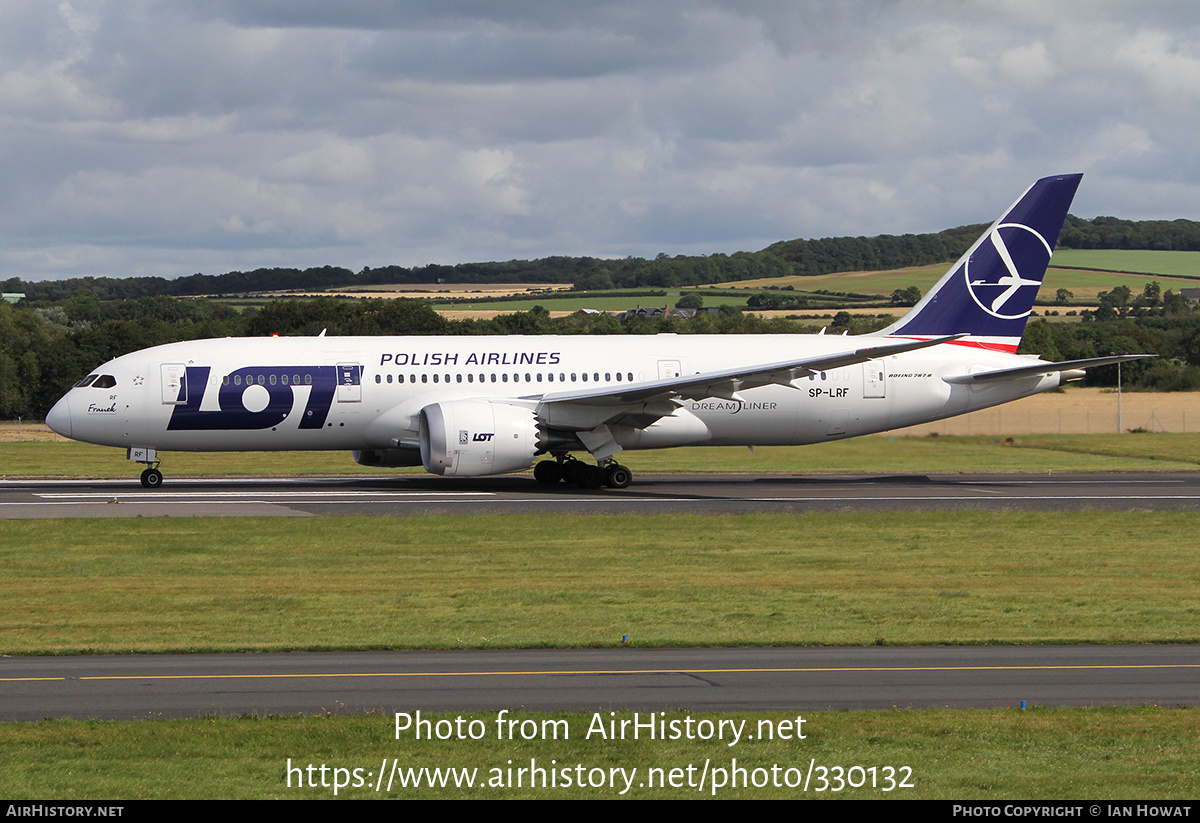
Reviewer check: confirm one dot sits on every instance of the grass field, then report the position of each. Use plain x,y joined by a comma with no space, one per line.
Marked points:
223,584
1163,263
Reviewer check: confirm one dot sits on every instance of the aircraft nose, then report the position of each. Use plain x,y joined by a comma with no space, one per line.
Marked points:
59,418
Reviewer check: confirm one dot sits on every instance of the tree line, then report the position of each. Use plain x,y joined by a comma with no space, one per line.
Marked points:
46,347
784,259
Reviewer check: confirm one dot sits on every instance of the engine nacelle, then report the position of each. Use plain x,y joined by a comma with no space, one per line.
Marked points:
471,438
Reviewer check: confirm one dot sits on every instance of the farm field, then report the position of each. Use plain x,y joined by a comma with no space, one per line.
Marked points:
1085,284
1112,268
1165,263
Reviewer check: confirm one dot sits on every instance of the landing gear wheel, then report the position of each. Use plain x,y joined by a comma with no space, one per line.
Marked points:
152,478
548,472
617,476
570,469
588,476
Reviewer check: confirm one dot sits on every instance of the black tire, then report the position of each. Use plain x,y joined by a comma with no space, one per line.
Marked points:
548,472
617,476
569,469
588,476
152,478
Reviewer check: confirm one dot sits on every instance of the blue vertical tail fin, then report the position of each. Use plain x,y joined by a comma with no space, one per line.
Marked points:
989,293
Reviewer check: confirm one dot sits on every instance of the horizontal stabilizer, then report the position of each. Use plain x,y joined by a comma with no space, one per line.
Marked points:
1040,368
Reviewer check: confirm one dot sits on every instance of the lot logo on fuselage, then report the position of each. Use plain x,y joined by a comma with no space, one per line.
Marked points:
994,277
247,385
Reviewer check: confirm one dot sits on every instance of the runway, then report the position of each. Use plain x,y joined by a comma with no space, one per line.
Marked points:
695,680
651,494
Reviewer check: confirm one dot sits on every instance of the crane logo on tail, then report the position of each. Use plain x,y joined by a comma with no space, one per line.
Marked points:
997,263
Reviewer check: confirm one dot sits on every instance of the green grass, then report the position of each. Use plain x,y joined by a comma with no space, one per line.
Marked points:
200,584
875,282
1037,754
1161,263
880,454
1090,272
605,302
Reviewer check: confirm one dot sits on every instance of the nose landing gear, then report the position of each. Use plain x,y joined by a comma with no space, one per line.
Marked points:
151,478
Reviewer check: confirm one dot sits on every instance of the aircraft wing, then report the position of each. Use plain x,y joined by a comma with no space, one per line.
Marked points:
1045,367
726,382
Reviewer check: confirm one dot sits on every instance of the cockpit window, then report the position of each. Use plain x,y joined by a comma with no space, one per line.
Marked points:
86,381
104,381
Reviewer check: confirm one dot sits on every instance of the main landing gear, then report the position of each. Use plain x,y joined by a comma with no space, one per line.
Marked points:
585,475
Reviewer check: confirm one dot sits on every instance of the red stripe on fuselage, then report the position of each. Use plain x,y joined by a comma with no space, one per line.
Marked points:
1009,348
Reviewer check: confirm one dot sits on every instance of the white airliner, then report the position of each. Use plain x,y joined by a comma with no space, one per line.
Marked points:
473,406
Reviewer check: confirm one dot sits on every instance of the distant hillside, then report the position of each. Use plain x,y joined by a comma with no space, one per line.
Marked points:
789,258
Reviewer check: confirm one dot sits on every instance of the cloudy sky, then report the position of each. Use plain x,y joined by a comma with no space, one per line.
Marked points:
168,137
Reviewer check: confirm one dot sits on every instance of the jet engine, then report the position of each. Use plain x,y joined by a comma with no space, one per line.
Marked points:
471,438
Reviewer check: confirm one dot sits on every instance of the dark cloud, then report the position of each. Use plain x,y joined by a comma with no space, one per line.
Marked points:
206,135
